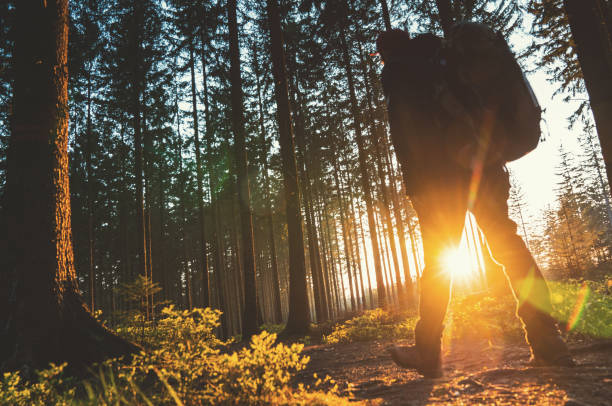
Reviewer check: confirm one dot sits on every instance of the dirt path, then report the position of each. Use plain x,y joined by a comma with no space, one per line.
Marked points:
475,373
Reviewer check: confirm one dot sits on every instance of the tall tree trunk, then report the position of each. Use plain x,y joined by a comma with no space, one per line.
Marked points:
357,215
278,315
42,316
249,321
149,239
313,240
339,276
162,273
322,212
347,247
445,12
137,84
89,174
218,258
299,314
365,178
401,233
602,185
593,45
385,11
205,288
182,178
220,272
404,296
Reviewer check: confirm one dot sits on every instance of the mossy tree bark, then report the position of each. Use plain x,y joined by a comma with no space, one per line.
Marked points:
43,318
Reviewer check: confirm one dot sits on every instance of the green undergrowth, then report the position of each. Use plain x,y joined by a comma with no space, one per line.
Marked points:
374,324
583,309
482,316
183,365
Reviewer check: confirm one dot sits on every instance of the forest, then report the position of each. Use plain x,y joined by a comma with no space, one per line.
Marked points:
201,203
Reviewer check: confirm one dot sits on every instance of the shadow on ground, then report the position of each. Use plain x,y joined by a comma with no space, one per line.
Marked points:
475,373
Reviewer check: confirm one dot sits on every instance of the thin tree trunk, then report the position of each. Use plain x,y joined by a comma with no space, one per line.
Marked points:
203,258
277,313
375,130
363,242
218,258
299,315
89,174
365,178
313,243
250,325
385,11
183,216
344,225
342,288
325,269
137,87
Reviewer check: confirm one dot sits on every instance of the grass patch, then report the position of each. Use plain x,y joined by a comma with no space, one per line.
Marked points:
584,307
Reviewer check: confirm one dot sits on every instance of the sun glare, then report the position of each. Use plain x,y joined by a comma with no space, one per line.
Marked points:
458,264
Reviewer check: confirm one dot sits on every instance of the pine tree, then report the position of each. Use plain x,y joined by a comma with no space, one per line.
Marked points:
299,317
250,322
45,318
593,42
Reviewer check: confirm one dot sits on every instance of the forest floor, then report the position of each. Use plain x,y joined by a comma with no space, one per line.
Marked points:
475,373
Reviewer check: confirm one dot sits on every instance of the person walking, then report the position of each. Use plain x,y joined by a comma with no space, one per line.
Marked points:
455,121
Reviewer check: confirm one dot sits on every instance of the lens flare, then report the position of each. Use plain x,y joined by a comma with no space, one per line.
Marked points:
583,297
480,157
457,263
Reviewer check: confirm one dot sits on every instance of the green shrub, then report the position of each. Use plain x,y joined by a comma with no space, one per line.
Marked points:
184,366
47,389
273,328
483,317
372,325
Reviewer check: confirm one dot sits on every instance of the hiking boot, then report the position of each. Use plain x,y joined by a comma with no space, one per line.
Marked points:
544,338
550,350
410,357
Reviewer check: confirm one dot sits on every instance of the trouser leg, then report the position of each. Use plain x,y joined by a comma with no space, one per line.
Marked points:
508,248
441,221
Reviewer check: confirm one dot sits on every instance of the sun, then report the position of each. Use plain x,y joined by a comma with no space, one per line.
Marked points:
458,264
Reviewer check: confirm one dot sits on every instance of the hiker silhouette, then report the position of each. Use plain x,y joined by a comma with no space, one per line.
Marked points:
459,109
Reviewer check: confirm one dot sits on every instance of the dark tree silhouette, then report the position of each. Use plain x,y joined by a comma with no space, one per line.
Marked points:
587,20
43,318
299,316
205,294
249,320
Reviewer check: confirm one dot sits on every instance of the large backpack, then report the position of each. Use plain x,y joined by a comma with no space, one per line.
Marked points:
469,87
